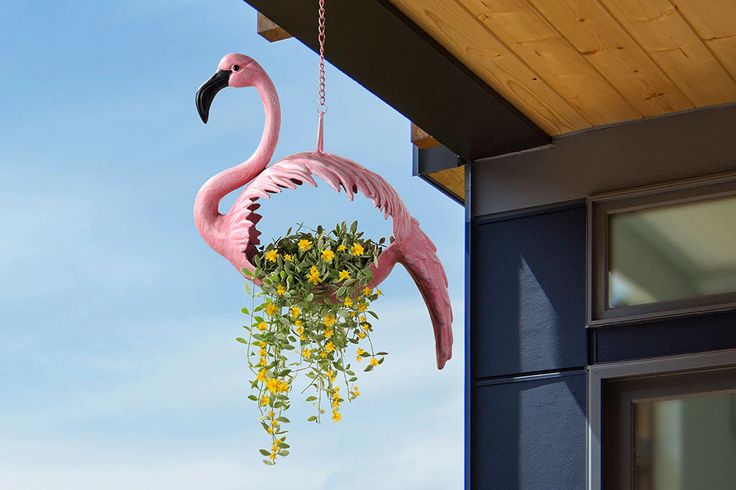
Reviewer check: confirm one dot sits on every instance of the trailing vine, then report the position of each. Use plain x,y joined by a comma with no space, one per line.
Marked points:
313,307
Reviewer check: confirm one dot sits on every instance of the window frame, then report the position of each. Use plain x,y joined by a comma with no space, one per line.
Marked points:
602,373
600,210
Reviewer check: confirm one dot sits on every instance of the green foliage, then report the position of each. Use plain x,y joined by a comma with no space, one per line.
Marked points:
312,308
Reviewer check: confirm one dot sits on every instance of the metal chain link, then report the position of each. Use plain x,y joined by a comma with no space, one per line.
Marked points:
321,35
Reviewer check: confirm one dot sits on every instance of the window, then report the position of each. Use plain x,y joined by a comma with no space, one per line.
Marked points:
685,443
671,431
663,251
663,423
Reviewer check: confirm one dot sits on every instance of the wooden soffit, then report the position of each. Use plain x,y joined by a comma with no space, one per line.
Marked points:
574,64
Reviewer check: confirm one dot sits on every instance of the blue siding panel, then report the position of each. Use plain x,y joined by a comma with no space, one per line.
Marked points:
530,435
671,336
528,294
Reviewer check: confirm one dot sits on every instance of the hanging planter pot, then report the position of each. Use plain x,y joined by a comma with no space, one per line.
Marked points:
316,286
312,308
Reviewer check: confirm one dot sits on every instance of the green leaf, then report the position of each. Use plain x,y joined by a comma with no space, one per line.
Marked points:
252,397
264,452
241,340
245,311
313,418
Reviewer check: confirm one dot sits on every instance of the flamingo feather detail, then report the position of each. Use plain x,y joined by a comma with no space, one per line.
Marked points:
234,234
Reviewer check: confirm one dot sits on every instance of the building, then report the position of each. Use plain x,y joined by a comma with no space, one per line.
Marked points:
593,145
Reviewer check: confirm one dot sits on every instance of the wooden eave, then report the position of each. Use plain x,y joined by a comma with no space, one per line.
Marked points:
491,77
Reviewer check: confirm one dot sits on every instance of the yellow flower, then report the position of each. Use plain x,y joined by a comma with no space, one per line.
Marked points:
283,386
374,361
304,245
269,430
330,374
262,326
265,400
362,307
335,405
359,356
272,385
262,343
367,291
336,417
271,309
300,331
295,311
262,362
356,391
361,318
262,352
329,347
329,333
366,327
328,255
378,292
341,248
280,290
357,249
348,302
344,274
306,353
313,276
361,335
329,320
271,255
323,354
287,257
262,375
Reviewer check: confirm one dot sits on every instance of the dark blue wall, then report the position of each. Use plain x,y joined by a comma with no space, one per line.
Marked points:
528,348
528,292
530,434
667,337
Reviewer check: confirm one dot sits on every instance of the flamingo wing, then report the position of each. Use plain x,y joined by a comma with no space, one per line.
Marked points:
412,247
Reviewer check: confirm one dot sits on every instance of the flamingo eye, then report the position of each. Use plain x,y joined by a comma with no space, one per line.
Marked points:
236,67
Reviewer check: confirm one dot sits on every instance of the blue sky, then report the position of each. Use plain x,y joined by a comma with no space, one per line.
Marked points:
118,367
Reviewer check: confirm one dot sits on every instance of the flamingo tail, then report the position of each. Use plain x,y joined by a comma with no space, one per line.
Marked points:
420,259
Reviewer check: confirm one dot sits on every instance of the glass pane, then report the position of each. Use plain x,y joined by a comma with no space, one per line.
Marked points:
687,444
673,252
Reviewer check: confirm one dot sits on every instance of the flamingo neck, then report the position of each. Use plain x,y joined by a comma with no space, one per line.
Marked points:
206,206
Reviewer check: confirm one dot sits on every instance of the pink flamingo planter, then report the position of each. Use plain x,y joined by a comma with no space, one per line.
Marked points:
234,236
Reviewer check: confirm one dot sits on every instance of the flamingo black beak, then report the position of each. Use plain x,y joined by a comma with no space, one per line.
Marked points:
208,90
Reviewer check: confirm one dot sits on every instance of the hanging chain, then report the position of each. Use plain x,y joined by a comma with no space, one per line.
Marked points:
321,93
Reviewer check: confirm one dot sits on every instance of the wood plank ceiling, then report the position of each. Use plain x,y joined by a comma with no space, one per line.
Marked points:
575,64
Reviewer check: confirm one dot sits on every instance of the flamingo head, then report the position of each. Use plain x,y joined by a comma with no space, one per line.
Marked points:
234,70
